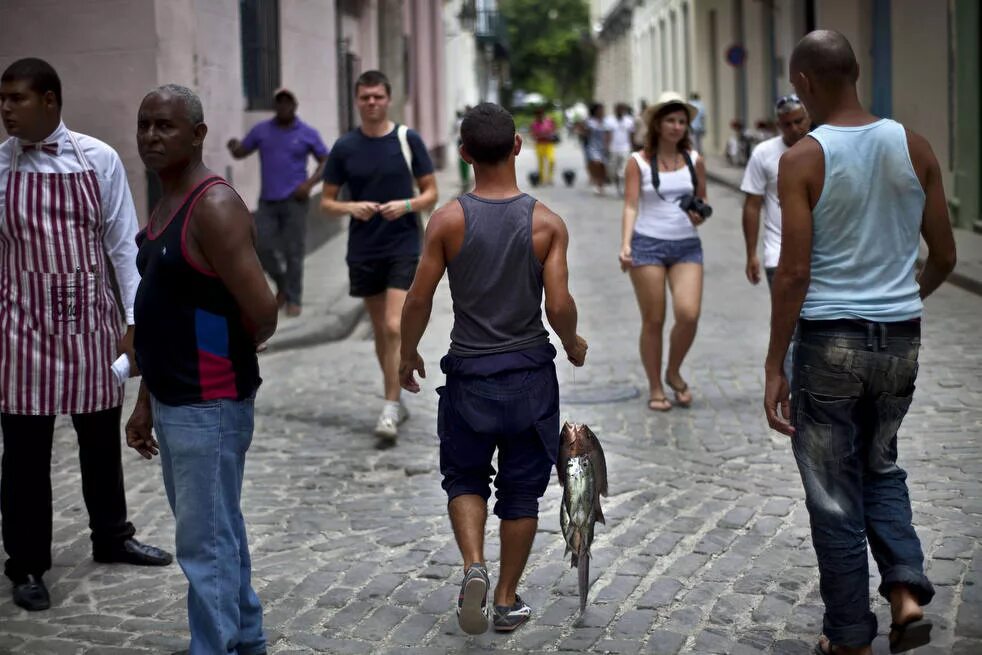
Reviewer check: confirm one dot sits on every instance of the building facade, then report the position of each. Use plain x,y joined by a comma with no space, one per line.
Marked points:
919,61
234,54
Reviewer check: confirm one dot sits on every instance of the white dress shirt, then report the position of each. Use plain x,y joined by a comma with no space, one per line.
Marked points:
118,212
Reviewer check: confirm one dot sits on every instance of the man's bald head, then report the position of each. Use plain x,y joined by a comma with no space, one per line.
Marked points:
826,58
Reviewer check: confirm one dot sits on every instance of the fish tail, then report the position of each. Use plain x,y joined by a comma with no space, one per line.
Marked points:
584,579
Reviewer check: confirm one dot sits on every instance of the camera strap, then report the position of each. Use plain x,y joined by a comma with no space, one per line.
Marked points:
656,181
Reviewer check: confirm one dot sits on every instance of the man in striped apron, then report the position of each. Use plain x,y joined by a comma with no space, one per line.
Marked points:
65,209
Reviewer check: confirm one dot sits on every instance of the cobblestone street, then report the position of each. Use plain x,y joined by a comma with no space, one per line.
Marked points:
706,547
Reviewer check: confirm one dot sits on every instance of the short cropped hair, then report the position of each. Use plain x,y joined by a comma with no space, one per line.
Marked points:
373,78
827,56
192,103
488,133
38,73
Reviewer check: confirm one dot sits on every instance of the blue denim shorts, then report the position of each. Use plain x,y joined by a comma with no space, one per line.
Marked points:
513,412
649,251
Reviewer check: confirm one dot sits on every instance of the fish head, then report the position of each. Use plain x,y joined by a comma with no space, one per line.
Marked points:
577,439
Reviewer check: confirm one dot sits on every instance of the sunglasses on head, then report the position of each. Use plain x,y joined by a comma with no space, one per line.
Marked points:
790,99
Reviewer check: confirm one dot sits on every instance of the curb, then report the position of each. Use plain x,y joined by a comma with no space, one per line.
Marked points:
336,325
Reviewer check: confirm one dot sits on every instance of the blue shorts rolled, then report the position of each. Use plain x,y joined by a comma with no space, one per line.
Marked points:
649,251
513,412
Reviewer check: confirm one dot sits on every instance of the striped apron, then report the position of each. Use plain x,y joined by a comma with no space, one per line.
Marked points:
59,323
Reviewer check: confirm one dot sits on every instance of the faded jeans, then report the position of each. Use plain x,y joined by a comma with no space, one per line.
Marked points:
202,453
853,385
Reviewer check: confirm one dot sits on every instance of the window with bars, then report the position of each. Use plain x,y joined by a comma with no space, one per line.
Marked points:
260,22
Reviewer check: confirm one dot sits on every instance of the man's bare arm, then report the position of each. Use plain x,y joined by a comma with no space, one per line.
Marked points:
560,306
935,225
419,300
427,198
794,267
224,233
751,232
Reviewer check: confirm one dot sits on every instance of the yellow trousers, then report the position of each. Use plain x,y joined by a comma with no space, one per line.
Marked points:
546,153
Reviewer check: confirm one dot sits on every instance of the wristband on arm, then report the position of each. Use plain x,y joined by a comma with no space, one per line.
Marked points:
409,206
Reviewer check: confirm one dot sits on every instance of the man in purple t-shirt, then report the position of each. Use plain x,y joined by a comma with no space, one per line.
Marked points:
284,143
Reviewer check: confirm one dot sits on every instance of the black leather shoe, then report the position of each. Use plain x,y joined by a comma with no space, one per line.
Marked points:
132,551
32,595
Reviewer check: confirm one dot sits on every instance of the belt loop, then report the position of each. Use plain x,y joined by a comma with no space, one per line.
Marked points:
883,336
869,336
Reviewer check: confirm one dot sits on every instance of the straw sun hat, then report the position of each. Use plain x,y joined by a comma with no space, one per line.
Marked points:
668,98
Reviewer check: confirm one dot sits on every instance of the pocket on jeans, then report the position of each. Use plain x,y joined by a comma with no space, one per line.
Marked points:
824,430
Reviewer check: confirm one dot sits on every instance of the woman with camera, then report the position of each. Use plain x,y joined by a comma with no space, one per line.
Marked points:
664,202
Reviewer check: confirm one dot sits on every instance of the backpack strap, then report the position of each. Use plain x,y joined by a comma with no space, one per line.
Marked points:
403,133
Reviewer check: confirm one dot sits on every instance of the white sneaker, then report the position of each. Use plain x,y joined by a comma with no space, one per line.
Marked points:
387,426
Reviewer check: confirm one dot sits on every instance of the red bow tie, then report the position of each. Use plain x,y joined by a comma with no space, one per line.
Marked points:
50,147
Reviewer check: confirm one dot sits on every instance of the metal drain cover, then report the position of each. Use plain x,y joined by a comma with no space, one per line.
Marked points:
582,394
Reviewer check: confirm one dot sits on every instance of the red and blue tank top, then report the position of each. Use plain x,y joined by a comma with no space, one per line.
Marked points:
191,343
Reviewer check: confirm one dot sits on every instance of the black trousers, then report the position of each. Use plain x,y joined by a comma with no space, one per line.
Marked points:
25,486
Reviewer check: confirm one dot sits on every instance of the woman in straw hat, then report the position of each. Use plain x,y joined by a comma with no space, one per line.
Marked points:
660,242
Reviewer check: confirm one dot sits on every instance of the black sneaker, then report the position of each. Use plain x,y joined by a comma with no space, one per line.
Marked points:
472,603
507,618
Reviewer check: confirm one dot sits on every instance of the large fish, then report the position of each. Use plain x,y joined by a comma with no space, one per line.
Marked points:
582,472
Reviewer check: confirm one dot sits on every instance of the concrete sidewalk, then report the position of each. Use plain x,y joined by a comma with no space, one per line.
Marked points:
968,272
329,313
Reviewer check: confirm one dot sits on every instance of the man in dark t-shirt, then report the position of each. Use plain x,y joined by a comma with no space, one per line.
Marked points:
381,163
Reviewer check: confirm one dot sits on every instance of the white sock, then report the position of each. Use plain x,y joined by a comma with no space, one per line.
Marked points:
391,409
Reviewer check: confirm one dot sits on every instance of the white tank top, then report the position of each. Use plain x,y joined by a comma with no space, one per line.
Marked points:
663,218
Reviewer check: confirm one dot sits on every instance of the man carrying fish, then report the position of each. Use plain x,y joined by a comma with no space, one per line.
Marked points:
501,250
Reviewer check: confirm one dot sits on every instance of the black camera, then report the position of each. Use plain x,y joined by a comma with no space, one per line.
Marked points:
690,203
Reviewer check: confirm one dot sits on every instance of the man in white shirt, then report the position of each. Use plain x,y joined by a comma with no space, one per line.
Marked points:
760,186
65,208
621,128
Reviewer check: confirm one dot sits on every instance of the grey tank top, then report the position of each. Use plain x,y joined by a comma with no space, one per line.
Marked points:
496,280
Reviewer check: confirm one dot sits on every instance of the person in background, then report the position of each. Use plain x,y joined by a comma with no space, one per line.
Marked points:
660,244
284,143
60,327
381,162
621,127
760,188
699,122
596,146
543,130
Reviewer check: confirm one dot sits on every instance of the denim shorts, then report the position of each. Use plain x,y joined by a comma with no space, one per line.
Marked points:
515,413
649,251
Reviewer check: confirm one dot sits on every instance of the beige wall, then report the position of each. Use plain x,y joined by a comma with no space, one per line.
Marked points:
102,85
853,19
920,75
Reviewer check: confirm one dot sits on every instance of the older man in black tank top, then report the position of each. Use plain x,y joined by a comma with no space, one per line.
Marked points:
502,250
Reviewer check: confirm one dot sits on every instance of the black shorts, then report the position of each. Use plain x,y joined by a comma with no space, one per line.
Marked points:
372,277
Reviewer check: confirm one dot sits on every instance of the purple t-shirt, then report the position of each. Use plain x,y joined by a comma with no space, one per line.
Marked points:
283,155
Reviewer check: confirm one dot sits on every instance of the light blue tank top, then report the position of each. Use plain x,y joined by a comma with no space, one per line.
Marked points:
866,226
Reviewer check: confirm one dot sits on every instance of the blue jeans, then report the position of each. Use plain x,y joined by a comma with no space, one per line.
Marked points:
202,453
853,386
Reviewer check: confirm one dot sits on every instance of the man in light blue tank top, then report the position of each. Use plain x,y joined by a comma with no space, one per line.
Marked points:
855,197
502,251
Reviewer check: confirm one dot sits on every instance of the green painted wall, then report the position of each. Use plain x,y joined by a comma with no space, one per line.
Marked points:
967,29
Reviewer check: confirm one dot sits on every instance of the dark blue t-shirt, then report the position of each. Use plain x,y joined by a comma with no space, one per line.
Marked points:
375,170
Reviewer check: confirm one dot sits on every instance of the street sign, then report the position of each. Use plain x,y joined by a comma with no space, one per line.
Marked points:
736,55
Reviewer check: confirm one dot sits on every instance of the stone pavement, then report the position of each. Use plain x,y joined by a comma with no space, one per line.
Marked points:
706,547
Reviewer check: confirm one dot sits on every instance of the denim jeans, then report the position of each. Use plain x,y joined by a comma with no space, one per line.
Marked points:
202,453
852,390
